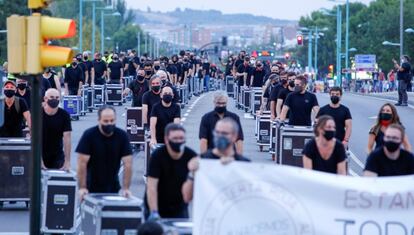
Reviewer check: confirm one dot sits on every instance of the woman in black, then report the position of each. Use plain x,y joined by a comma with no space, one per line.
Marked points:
52,78
324,152
386,116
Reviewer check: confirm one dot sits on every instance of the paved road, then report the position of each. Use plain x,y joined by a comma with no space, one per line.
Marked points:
363,109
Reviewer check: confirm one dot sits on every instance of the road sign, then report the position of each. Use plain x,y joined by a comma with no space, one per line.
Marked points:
365,62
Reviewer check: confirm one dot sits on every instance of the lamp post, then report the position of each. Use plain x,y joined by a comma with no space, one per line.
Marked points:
401,28
103,27
81,22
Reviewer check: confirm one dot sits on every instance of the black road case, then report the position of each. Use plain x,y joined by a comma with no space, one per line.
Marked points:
246,93
230,86
15,165
85,101
91,98
59,201
114,94
107,214
177,226
256,100
134,127
263,137
292,140
99,95
274,140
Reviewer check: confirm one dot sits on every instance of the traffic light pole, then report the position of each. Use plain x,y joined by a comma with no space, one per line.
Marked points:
338,46
36,142
310,39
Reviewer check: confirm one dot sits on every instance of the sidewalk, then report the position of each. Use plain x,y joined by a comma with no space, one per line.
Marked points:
392,96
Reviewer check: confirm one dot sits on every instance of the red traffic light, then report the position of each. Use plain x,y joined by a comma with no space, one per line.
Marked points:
300,40
331,67
287,56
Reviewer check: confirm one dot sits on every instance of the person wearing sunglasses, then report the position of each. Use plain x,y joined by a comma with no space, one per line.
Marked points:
390,159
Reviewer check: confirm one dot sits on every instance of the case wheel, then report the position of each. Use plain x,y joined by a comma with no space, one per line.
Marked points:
261,148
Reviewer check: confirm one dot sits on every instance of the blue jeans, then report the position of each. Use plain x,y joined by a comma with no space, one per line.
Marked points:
206,82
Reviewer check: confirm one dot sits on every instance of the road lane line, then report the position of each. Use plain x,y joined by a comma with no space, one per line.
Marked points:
356,160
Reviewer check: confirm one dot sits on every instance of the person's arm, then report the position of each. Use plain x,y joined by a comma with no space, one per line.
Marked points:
126,183
406,144
203,145
315,110
341,168
92,76
144,114
28,119
307,162
371,142
80,88
153,124
273,112
188,186
86,76
122,75
152,193
279,105
57,82
177,120
66,148
66,89
348,131
83,160
283,114
109,71
239,147
370,174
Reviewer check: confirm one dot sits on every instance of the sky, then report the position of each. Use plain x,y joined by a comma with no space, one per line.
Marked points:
281,9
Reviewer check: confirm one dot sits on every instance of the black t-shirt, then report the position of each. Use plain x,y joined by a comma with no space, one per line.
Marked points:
132,70
84,68
238,63
274,92
318,163
52,82
150,99
283,93
206,68
105,158
53,128
115,68
89,66
258,77
26,97
210,155
172,69
164,115
243,69
208,123
99,67
300,107
45,86
406,74
171,175
13,120
73,76
340,115
379,163
138,89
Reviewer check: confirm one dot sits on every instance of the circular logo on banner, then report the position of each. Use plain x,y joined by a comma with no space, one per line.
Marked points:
256,208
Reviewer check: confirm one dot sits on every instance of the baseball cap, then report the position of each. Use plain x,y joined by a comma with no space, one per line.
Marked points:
9,82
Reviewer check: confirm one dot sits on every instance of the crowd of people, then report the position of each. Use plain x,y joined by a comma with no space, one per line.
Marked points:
173,166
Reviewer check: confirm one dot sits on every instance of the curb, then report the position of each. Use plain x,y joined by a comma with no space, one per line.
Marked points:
388,98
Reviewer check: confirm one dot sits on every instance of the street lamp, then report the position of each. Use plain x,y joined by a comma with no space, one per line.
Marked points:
103,27
81,26
387,43
409,30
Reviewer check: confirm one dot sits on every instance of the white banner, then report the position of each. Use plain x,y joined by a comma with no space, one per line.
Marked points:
266,199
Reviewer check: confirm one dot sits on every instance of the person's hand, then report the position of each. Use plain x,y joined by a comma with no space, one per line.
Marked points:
42,166
125,193
273,117
92,84
153,142
79,92
226,160
154,216
82,193
345,143
193,164
66,166
393,60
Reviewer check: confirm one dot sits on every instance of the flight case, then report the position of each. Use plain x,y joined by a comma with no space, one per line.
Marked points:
134,126
114,94
230,86
73,105
263,131
98,95
177,226
292,140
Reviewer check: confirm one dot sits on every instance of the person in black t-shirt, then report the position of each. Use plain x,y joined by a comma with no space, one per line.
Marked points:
273,92
116,72
89,66
206,74
257,75
172,71
324,152
404,77
243,72
15,109
166,174
133,64
138,86
56,133
73,78
149,99
166,82
83,66
99,70
390,160
341,115
162,114
101,150
23,91
284,92
209,120
52,78
300,103
225,136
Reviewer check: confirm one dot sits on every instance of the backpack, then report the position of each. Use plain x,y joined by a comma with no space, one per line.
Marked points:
17,104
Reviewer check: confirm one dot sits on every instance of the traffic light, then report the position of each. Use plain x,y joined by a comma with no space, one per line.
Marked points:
287,56
331,71
224,41
16,44
39,30
300,40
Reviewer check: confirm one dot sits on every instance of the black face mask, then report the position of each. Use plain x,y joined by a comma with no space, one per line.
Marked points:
148,72
391,146
21,86
385,116
221,143
335,99
298,89
292,84
163,82
283,82
167,98
108,129
177,147
220,109
79,59
85,58
156,88
157,67
9,93
74,64
140,78
329,135
53,103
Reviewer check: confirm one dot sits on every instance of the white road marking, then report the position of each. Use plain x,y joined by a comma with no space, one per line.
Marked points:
123,115
356,160
353,173
384,99
373,117
186,114
183,119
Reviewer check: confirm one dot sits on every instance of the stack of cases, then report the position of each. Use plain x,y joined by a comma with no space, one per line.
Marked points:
256,100
134,126
91,98
177,226
15,165
114,94
230,86
264,131
85,101
246,99
110,214
292,140
98,95
59,202
182,91
126,81
274,140
73,105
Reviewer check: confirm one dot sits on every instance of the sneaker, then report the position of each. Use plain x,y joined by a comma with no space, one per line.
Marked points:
404,105
397,104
